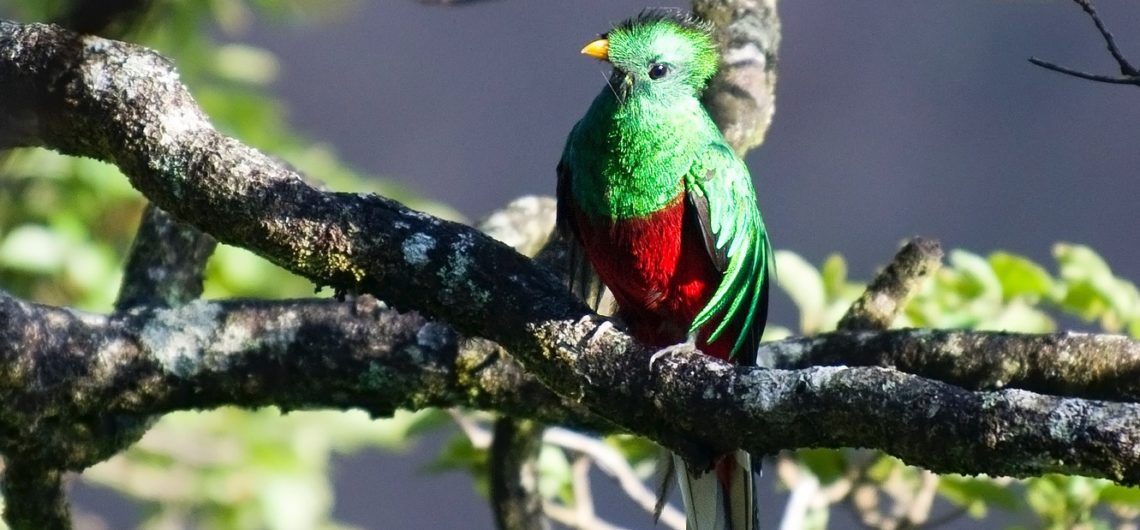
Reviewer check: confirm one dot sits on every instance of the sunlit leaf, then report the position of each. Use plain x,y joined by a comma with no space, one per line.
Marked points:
1019,276
804,285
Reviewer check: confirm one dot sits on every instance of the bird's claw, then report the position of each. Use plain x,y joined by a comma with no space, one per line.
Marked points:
602,328
670,350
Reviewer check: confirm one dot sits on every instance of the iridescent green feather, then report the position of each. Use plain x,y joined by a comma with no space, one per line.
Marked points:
721,178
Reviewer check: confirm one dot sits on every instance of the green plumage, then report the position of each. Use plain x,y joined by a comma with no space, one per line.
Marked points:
646,139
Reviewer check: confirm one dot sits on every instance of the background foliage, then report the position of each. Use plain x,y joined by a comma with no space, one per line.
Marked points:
66,224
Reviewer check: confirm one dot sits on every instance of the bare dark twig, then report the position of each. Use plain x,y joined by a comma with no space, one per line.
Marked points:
1129,74
1125,67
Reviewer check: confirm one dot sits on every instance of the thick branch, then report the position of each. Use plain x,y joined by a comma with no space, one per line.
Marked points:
1063,364
316,354
306,354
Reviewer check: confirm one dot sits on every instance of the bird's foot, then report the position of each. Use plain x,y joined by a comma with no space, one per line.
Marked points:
684,347
599,331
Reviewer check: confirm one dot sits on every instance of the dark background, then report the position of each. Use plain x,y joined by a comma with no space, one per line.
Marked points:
894,118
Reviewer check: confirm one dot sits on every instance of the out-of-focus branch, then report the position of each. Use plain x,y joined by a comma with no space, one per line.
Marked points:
33,495
891,288
610,462
166,262
515,498
742,96
109,18
1129,75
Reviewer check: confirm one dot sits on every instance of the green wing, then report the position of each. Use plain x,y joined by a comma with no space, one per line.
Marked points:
579,275
719,188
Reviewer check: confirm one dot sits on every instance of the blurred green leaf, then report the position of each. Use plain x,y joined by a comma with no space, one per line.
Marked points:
246,64
834,275
1020,317
826,464
1020,276
555,476
460,455
976,493
980,280
642,454
1121,495
804,285
33,248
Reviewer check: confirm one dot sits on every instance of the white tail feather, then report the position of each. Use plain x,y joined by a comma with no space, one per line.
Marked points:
709,505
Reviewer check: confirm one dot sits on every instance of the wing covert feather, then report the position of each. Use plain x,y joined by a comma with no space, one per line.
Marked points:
720,188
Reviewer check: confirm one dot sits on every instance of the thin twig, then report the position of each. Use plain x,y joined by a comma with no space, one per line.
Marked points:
614,465
922,501
804,496
580,481
1133,80
1129,74
1126,68
479,436
569,517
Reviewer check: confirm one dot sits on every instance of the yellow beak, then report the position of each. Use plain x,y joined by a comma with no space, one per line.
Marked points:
599,49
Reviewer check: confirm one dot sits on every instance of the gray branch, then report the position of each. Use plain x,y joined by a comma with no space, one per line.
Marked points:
166,262
742,96
62,373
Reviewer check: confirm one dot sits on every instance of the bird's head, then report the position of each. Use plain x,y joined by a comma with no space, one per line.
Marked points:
660,53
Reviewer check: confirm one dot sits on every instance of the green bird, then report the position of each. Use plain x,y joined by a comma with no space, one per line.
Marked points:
660,208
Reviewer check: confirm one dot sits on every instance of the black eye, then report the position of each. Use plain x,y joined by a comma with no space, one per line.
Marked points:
657,71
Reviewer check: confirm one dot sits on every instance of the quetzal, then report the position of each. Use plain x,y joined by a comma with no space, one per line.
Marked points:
654,200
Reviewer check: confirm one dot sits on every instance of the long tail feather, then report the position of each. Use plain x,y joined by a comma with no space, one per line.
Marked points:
722,499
